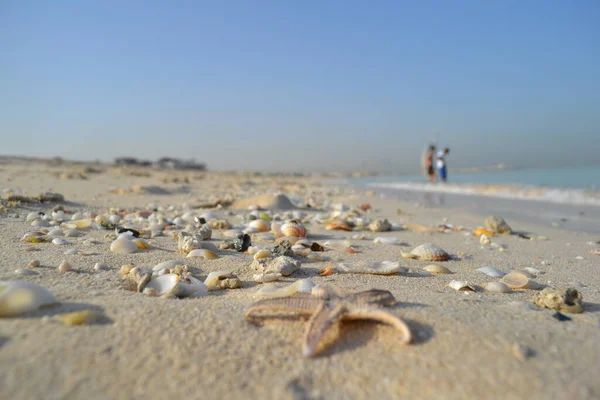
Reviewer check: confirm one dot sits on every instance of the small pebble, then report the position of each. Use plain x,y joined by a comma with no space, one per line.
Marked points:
64,266
33,264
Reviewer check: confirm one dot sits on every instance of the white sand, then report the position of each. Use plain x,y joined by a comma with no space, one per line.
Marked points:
204,348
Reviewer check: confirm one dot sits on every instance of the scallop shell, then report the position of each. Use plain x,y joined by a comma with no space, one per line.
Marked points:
19,297
123,245
462,286
293,228
375,268
437,269
491,271
338,226
260,225
271,290
430,252
516,280
496,287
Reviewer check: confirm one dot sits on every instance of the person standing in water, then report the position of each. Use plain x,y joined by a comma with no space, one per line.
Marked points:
429,164
441,164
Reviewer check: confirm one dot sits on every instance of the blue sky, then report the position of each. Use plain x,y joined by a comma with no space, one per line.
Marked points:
302,85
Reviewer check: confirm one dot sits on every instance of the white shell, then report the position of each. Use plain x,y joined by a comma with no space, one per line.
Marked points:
430,252
271,290
167,265
483,239
461,286
531,270
375,268
71,252
60,241
491,271
19,297
123,245
496,287
172,284
386,240
437,269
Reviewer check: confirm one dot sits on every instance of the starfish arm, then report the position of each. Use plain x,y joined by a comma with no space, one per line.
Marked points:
371,298
295,305
318,324
382,316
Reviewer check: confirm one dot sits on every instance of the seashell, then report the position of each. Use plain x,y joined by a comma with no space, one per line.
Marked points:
25,271
339,226
65,266
206,254
101,267
271,290
213,278
187,242
77,224
20,297
300,250
386,240
167,265
123,245
32,216
262,254
375,268
484,239
250,230
360,236
263,278
530,270
209,246
264,236
79,317
491,271
516,280
429,252
461,286
482,231
60,241
71,252
178,286
150,292
72,233
496,287
125,269
33,264
437,269
55,233
293,228
259,225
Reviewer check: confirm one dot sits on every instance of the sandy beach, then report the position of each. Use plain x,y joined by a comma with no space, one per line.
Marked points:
465,344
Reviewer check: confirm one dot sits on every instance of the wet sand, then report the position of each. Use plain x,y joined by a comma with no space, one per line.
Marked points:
464,343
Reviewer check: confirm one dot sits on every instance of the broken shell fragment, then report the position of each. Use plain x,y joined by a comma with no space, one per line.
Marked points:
123,245
263,278
20,297
178,286
564,300
483,239
375,268
283,265
79,317
167,265
262,254
437,269
386,240
271,290
206,254
222,280
462,286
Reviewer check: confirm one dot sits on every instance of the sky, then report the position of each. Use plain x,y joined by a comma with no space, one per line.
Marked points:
281,85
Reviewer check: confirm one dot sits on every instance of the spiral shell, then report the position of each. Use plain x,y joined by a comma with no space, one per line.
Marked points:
430,252
293,228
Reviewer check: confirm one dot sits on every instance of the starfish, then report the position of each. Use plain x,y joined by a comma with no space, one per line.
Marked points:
328,306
